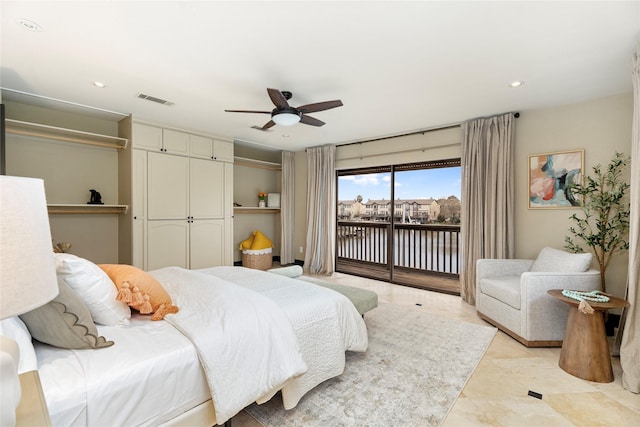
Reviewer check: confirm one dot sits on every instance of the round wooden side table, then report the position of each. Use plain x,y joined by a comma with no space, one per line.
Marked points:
585,351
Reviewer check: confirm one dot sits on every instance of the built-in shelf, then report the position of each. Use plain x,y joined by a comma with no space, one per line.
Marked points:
253,163
86,209
256,210
37,130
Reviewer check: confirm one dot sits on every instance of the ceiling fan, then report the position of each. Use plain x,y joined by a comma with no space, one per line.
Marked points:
286,115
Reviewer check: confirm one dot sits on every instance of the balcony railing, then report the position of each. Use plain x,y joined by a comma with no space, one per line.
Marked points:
426,248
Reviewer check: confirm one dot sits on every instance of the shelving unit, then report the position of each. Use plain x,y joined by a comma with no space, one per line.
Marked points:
253,163
86,209
256,210
37,130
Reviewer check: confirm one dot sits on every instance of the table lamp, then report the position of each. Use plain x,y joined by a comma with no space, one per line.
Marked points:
27,272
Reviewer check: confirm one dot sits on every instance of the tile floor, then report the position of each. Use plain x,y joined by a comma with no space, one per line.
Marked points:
496,394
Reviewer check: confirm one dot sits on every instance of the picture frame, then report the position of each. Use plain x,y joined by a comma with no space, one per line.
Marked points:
551,178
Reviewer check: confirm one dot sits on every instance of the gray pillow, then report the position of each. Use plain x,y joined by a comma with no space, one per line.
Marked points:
64,322
555,261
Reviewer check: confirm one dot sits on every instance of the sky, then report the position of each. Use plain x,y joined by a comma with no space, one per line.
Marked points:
418,184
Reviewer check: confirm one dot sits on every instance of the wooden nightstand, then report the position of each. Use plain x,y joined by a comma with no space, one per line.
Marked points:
32,410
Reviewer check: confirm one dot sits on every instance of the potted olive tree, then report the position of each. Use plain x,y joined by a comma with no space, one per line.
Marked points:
604,222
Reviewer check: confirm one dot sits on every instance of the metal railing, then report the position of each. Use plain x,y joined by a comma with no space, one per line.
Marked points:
428,248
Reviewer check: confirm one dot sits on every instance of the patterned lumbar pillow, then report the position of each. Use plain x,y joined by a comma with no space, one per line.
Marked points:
64,322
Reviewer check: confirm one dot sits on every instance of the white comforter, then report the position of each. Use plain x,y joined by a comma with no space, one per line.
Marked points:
325,322
245,343
235,304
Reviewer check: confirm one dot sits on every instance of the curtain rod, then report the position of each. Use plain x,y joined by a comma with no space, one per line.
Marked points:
418,132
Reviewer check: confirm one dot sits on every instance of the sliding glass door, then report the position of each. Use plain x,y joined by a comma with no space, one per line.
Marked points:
401,223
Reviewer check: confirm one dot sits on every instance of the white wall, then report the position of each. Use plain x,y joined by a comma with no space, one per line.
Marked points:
600,127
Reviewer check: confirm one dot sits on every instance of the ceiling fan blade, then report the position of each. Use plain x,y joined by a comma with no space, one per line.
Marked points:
269,124
320,106
278,98
247,111
308,120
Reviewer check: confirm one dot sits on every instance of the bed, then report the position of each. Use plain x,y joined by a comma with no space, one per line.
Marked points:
240,336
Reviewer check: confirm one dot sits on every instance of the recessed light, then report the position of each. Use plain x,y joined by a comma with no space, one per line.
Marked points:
28,25
284,135
99,84
517,83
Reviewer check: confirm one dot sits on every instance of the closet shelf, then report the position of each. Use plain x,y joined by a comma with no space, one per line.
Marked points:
86,209
256,210
253,163
37,130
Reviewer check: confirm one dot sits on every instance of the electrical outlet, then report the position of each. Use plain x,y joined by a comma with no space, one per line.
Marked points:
301,250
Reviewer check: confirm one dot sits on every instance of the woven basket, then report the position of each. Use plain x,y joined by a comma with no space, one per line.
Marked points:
258,262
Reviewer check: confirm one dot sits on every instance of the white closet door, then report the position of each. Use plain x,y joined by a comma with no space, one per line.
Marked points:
167,244
206,198
207,243
146,137
168,186
201,147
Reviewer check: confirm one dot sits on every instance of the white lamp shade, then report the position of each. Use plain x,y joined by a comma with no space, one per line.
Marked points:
27,266
286,119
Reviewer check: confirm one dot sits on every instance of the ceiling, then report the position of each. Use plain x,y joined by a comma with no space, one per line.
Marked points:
397,66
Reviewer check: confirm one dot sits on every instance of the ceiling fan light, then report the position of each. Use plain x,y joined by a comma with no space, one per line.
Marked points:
285,118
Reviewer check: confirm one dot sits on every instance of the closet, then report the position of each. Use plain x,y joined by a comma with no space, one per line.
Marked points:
179,186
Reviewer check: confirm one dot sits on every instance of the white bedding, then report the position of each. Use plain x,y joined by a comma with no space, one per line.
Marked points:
325,322
245,342
148,377
148,381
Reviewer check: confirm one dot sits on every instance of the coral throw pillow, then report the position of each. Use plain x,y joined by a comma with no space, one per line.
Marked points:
139,290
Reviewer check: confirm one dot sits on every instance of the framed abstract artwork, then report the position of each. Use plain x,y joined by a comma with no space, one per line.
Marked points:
552,177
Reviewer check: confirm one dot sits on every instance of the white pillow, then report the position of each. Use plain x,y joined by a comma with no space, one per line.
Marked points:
15,329
94,288
554,260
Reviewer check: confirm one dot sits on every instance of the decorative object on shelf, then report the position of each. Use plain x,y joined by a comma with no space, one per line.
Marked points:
606,211
262,200
61,247
552,179
96,198
273,200
236,205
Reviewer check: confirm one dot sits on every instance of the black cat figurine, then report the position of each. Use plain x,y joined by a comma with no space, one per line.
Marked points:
96,198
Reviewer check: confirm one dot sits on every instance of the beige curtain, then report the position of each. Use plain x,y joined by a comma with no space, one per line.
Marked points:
321,210
287,209
630,346
488,193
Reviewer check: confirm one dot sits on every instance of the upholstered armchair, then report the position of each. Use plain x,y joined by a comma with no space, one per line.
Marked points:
511,294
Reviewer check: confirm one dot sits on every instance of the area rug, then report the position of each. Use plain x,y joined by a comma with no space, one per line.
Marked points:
412,373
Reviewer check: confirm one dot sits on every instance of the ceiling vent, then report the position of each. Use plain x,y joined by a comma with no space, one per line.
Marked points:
154,99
